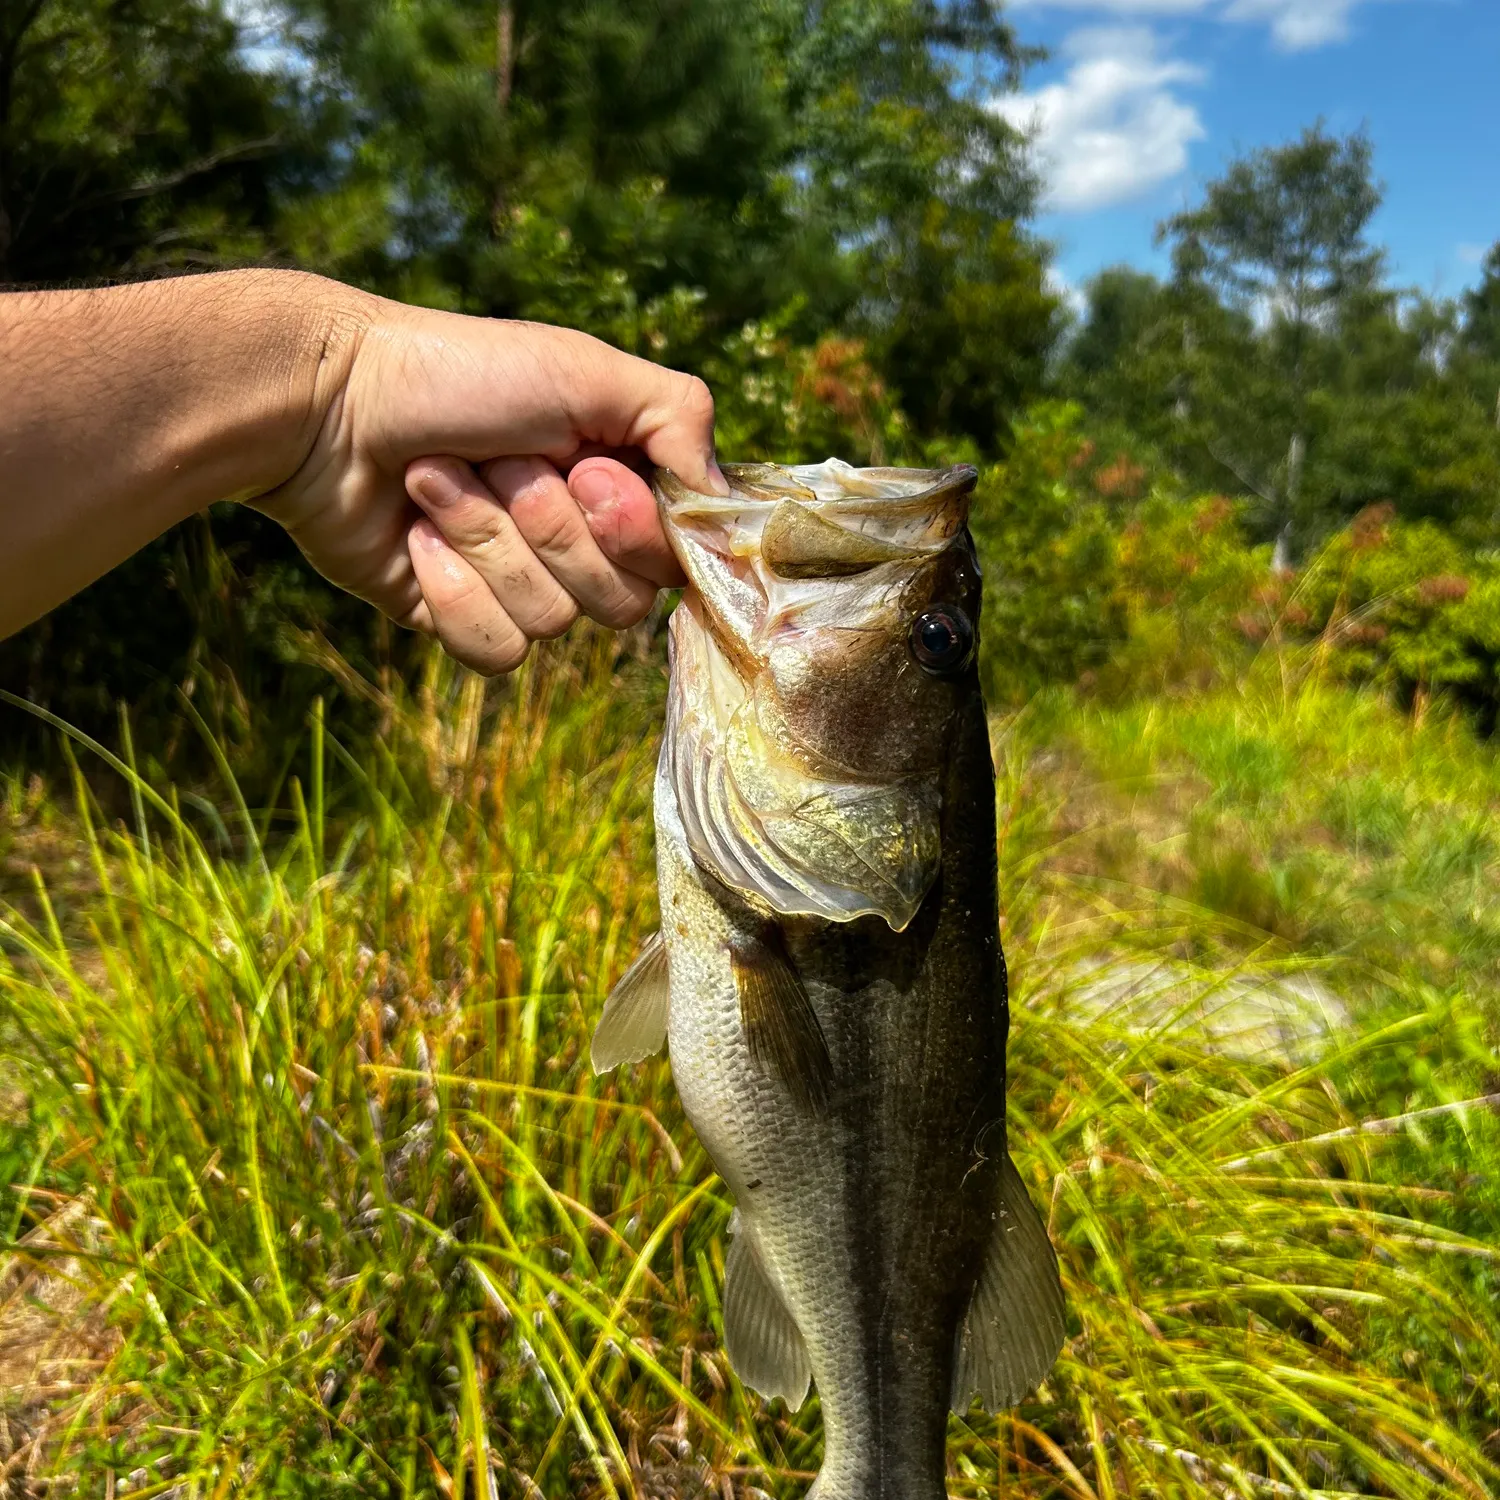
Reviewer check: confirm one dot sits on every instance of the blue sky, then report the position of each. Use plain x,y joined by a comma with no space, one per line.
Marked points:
1142,101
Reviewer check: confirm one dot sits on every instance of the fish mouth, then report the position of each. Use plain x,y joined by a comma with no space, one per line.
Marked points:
884,514
801,576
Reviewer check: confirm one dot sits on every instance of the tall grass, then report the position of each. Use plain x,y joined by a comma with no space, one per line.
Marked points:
308,1122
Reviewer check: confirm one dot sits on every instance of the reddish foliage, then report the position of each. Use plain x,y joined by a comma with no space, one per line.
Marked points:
1446,588
841,378
1120,480
1371,527
1252,625
1212,514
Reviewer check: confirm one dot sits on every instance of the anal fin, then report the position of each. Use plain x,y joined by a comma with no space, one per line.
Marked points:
634,1022
1015,1325
781,1027
762,1339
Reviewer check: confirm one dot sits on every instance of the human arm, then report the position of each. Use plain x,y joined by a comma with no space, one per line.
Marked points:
126,409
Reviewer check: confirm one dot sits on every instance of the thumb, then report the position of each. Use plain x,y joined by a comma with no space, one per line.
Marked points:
632,403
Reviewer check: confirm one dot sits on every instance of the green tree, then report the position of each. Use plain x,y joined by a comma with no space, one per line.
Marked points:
1481,310
133,139
1282,235
1125,309
896,152
574,159
663,171
1478,343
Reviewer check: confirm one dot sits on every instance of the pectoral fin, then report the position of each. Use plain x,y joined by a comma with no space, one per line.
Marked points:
1015,1324
781,1027
764,1343
634,1023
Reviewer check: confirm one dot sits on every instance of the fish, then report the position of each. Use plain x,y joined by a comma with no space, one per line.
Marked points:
828,978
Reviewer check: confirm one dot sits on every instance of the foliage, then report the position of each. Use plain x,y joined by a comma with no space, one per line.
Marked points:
1275,364
1099,570
1410,607
1285,227
809,205
134,139
358,1215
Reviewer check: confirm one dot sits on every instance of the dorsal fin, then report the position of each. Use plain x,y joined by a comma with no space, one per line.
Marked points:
1016,1322
762,1339
634,1022
781,1027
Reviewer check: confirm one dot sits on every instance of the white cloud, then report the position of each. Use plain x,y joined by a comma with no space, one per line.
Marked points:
1296,25
1470,254
1112,128
1119,7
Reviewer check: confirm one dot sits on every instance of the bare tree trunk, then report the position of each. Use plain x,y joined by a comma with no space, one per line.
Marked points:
505,77
1296,457
505,55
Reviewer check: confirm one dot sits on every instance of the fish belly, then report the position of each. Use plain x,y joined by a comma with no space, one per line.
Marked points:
870,1216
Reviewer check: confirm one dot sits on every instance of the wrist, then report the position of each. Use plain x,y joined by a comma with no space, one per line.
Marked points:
287,363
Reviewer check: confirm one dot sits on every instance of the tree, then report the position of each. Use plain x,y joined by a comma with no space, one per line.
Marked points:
1479,338
133,140
1282,235
896,152
1481,310
662,171
1124,306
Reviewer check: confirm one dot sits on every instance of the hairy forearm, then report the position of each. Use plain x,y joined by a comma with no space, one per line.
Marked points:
124,410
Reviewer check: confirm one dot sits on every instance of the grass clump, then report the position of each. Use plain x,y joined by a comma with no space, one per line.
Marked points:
302,1115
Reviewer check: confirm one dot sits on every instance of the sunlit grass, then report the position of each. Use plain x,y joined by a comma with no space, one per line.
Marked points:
361,1219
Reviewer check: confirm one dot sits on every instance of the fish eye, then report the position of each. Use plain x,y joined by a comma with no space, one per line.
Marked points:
942,640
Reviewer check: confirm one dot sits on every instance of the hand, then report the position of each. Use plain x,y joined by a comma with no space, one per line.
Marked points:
530,514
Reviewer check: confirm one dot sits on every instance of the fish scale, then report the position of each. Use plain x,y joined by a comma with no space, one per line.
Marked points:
845,1074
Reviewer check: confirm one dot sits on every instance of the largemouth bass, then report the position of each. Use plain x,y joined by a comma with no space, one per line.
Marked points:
828,975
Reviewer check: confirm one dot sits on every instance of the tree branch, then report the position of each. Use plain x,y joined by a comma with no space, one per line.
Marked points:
245,151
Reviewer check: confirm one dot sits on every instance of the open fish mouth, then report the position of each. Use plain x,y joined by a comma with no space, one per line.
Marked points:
819,521
804,741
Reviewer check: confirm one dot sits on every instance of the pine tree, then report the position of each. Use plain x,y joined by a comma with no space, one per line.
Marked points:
134,139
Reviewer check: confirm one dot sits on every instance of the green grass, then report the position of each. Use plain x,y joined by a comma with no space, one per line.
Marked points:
303,1120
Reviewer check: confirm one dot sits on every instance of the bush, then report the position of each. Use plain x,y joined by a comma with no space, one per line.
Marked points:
1098,569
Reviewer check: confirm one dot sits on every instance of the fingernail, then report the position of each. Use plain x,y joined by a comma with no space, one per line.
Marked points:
717,483
594,488
434,487
428,537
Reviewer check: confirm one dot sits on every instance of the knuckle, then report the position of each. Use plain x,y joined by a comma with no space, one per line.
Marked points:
489,652
508,660
547,525
484,534
556,620
619,607
698,400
